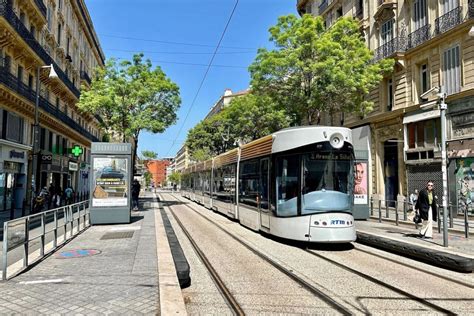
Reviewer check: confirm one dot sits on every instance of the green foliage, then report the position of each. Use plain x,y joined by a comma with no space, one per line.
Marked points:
175,177
130,97
246,118
149,154
147,176
314,69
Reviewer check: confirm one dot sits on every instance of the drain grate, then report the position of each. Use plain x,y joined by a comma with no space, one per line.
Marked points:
117,235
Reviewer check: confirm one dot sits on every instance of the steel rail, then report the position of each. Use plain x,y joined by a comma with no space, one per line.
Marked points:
225,292
310,288
382,283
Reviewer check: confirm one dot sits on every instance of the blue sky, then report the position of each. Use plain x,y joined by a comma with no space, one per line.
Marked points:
180,37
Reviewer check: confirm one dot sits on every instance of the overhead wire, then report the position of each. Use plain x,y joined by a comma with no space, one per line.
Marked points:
205,75
190,64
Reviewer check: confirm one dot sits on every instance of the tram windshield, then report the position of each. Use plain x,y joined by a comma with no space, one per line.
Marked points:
327,181
326,177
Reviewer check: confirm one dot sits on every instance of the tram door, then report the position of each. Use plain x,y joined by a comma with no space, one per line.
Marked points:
263,205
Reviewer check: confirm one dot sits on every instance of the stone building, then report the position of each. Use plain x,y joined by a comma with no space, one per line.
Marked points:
431,45
35,34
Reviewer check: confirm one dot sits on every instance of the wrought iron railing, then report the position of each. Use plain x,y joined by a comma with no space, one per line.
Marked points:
24,90
85,77
419,36
41,6
471,9
15,22
388,49
448,21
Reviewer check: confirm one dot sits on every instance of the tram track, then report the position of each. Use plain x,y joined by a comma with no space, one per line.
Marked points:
341,308
219,283
383,284
404,265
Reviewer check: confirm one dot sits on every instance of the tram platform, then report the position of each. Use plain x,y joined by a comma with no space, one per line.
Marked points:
404,240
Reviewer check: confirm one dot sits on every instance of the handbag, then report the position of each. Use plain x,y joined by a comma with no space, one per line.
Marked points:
417,219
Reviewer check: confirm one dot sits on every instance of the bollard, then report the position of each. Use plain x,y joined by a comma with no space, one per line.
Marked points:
405,207
380,211
387,214
451,217
439,218
466,224
396,212
371,206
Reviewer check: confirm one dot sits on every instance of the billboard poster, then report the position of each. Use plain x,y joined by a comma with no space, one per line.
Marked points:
360,183
110,179
465,184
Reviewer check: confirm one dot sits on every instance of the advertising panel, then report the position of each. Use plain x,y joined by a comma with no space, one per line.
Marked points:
110,178
465,185
360,183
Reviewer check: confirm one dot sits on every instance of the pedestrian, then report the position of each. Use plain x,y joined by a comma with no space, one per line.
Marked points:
68,194
413,198
52,193
135,193
426,206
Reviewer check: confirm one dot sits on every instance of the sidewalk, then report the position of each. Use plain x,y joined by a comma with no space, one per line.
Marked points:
106,269
403,239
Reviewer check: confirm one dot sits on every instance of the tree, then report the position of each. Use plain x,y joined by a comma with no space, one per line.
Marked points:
149,154
245,119
314,69
130,97
175,177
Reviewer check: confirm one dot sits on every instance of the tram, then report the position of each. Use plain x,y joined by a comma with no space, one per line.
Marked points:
296,184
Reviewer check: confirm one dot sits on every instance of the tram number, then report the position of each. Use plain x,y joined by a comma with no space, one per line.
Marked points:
338,222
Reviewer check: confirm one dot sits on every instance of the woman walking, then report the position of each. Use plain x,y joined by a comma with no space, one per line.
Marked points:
426,205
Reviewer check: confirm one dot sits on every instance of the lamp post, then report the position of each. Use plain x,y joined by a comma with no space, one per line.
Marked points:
442,107
36,130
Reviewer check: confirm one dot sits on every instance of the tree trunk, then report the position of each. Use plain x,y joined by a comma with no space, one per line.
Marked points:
134,155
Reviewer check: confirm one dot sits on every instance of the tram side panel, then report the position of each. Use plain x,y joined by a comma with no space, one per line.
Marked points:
223,194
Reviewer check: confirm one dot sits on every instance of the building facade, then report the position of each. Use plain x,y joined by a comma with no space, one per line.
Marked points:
157,169
432,48
35,34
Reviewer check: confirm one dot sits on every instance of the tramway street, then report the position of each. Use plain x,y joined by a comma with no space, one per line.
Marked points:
359,278
257,286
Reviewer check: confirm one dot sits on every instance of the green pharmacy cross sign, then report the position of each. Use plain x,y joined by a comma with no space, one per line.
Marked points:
76,150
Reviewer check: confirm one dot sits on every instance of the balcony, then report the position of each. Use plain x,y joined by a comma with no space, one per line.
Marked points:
22,89
419,36
447,21
41,6
31,41
390,48
85,77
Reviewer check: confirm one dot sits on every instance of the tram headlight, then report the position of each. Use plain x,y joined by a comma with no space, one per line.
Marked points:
336,140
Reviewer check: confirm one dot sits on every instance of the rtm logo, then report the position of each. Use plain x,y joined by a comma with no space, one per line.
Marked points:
338,222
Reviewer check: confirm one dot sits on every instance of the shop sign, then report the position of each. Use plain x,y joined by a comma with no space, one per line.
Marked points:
73,166
46,159
463,125
17,154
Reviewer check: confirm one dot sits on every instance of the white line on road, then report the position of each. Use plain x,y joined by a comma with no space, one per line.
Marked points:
42,281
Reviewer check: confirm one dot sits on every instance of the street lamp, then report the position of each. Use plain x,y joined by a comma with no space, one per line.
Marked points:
441,94
36,130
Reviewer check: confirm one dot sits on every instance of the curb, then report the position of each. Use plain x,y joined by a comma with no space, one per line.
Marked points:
434,257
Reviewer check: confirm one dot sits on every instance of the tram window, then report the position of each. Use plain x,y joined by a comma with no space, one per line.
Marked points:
287,185
326,182
248,183
264,184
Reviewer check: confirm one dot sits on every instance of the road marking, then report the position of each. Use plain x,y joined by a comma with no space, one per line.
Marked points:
42,281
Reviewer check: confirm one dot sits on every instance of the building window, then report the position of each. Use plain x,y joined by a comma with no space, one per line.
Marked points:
59,34
449,5
30,81
420,13
386,34
390,97
452,70
424,134
49,17
57,103
424,78
14,128
7,62
19,74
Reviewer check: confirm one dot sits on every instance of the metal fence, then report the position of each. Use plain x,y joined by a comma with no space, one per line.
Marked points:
398,211
26,240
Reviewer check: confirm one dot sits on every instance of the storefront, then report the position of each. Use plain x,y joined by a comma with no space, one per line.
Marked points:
460,152
13,170
54,170
83,183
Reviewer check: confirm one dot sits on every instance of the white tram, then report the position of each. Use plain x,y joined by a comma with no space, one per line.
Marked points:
296,184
